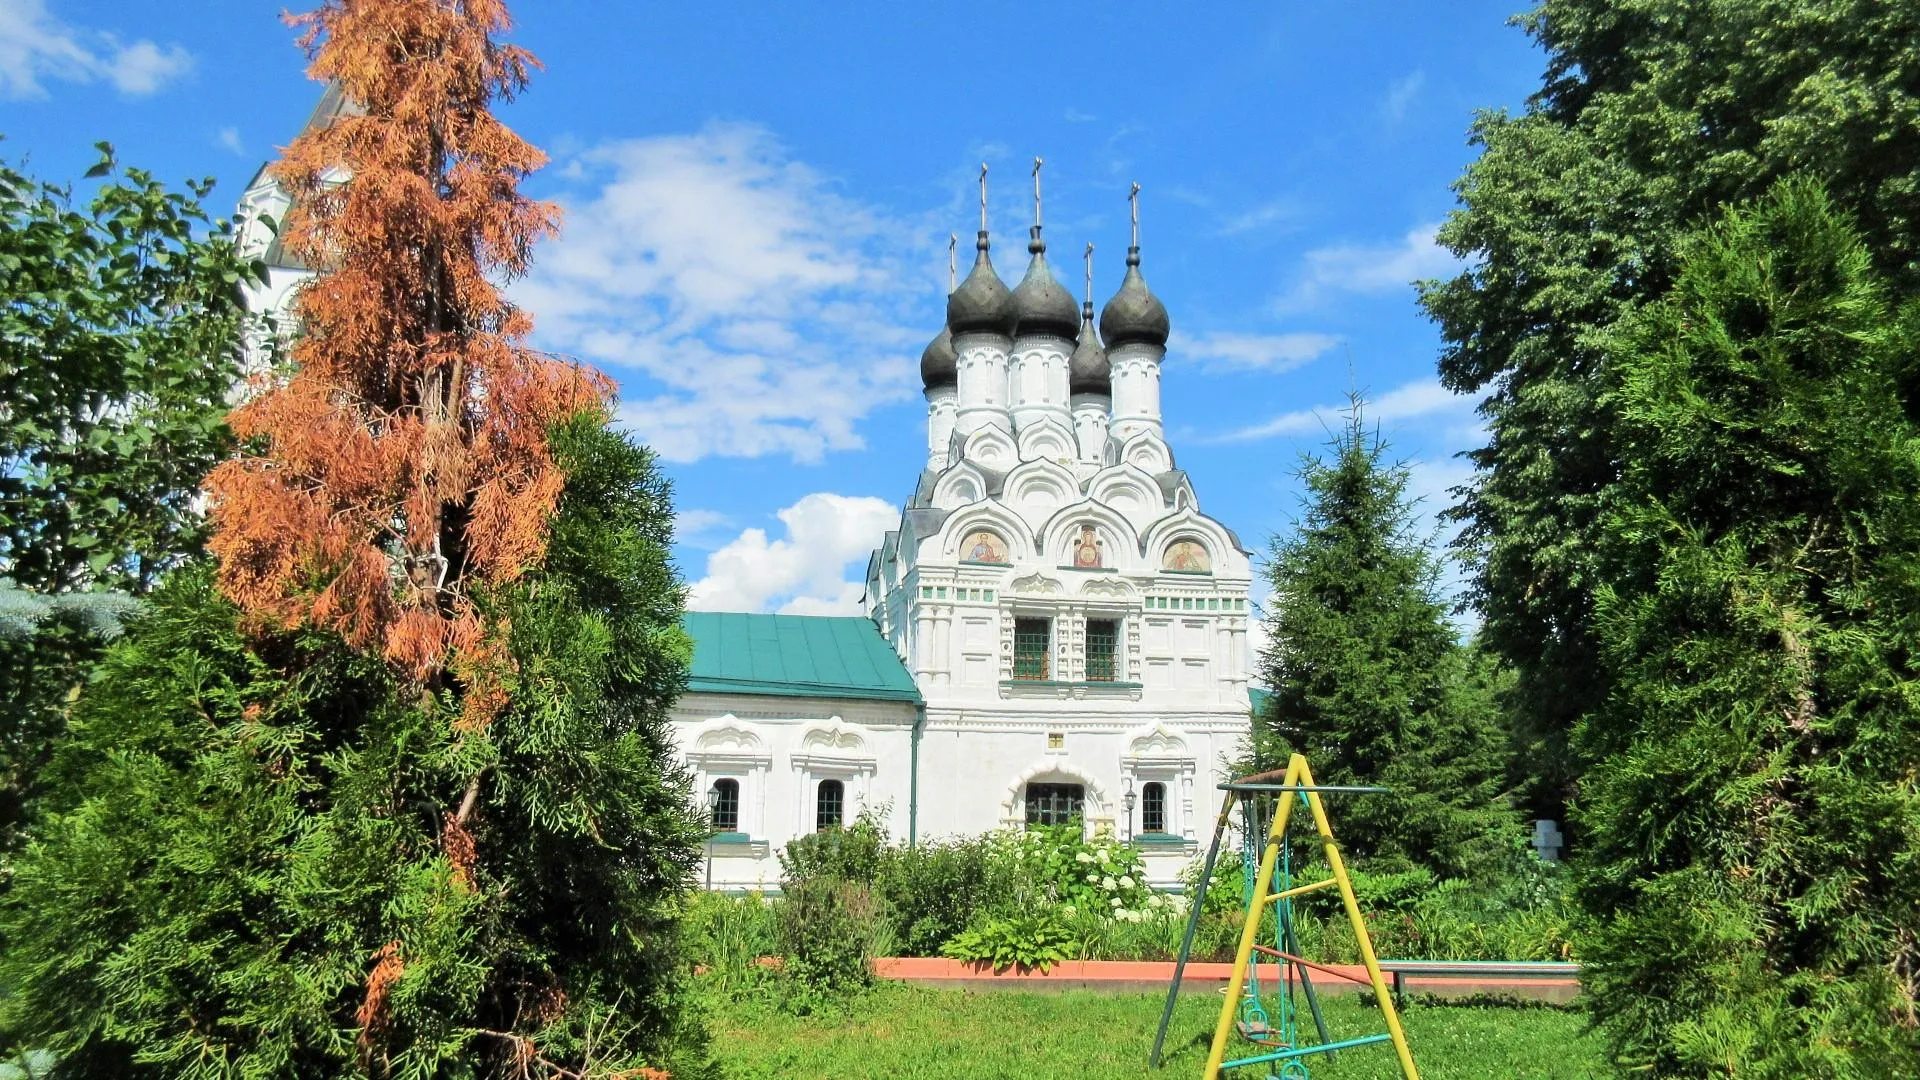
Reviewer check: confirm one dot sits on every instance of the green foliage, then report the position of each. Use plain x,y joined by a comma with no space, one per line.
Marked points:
1035,941
1752,825
48,646
1367,678
934,891
829,935
240,828
729,935
1650,115
852,854
119,338
119,335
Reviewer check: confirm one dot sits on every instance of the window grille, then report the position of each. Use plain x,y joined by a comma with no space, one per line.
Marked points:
1153,808
726,808
1103,645
1030,648
826,807
1055,804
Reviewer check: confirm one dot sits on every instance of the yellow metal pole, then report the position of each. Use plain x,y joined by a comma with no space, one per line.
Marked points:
1250,929
1359,924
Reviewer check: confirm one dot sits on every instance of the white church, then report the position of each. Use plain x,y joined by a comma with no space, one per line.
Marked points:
1054,632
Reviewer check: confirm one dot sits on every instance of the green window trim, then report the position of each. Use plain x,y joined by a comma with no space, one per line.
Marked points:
1032,649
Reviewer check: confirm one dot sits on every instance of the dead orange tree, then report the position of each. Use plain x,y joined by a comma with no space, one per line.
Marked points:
404,465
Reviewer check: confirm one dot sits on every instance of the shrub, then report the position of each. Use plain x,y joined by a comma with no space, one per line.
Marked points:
934,891
1035,941
827,937
850,854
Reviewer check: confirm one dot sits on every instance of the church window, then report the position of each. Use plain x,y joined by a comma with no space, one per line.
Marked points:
1103,639
1055,804
940,592
1153,808
1030,648
726,806
1213,603
926,592
827,805
989,596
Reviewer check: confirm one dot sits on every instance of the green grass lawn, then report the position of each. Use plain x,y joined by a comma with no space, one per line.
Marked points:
903,1032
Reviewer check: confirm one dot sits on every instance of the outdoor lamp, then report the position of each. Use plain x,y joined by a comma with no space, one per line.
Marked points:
1126,800
713,805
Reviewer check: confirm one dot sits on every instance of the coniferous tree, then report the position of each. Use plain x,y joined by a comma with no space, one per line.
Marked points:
1752,826
1367,677
389,791
1650,116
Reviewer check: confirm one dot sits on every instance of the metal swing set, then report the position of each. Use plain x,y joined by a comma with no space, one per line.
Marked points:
1262,1012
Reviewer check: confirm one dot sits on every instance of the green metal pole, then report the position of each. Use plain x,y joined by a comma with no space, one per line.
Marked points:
913,777
1193,924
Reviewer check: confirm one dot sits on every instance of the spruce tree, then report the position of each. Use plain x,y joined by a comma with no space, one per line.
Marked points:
389,789
1752,826
1368,679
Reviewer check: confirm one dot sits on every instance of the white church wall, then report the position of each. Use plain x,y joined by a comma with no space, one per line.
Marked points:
779,750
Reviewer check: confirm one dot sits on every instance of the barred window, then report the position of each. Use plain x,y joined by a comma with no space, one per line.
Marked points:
1153,808
1103,643
1030,648
826,806
1054,804
726,808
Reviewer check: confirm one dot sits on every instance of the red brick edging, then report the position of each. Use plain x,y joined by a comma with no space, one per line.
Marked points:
1206,977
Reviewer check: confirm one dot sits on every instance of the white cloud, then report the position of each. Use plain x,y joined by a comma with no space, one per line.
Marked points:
1269,352
1260,217
747,306
1401,95
1369,268
692,526
35,46
804,572
230,138
1423,399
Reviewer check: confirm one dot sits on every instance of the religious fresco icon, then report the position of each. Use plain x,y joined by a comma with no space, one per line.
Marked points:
1086,550
983,546
1189,556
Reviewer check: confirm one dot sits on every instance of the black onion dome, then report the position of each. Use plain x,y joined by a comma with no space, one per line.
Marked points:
1134,315
939,366
1040,305
982,304
1087,371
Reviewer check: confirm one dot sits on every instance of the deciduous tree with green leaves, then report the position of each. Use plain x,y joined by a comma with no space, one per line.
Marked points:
1651,114
1752,826
1368,678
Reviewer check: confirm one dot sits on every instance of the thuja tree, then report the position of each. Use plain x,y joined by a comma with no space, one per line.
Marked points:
119,315
388,791
1368,678
1650,115
1752,866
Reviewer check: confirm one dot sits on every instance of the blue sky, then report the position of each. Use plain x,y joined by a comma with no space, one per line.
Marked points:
758,198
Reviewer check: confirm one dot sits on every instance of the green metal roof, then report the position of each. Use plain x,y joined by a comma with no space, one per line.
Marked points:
794,656
1259,698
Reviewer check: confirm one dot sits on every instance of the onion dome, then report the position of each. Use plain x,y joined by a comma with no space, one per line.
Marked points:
1087,371
982,304
1040,305
1134,315
939,366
